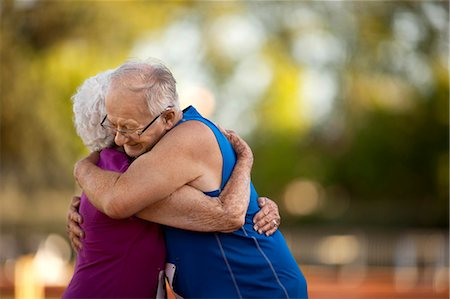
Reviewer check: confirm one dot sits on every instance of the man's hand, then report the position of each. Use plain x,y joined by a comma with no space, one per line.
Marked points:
267,220
74,220
91,159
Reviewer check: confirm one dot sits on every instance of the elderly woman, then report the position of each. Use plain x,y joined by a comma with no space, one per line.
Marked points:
120,258
123,258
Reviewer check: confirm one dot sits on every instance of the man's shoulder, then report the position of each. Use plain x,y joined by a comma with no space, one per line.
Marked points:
184,141
191,132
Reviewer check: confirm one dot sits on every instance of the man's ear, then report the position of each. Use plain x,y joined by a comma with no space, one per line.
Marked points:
169,119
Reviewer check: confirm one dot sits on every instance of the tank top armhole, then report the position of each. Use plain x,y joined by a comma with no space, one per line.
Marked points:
191,113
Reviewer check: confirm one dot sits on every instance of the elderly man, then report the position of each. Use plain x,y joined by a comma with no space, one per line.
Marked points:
174,148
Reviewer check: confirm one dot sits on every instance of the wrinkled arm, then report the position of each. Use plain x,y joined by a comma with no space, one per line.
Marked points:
189,208
263,220
173,162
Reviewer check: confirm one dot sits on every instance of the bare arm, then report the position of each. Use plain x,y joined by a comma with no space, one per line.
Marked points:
190,209
193,210
180,158
263,220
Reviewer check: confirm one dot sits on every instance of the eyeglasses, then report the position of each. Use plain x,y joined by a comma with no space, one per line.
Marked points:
127,132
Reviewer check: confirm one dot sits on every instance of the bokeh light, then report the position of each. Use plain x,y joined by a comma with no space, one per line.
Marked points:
339,250
302,197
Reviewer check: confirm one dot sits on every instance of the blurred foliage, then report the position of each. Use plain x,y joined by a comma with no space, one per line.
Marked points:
383,144
48,49
386,144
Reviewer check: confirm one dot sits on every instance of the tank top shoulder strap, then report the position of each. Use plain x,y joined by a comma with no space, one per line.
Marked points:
228,155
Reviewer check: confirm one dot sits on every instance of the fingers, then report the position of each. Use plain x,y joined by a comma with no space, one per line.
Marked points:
74,220
75,217
75,242
224,132
75,234
259,217
267,225
240,147
264,211
73,214
262,201
75,203
267,220
232,133
228,133
75,229
270,227
234,139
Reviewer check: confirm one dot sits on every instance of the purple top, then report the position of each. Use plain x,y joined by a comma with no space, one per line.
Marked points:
120,258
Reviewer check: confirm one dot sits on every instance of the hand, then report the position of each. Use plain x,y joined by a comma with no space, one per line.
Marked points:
91,159
240,147
268,219
74,220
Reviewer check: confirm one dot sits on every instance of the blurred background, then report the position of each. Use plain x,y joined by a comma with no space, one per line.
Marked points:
345,105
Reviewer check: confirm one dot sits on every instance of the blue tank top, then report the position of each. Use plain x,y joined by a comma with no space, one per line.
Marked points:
241,264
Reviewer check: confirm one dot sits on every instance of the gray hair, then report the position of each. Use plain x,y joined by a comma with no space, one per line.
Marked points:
152,78
89,110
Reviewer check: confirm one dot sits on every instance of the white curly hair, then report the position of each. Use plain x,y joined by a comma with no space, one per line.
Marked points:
89,110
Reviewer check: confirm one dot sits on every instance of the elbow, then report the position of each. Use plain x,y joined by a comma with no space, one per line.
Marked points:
238,216
238,222
235,222
114,209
